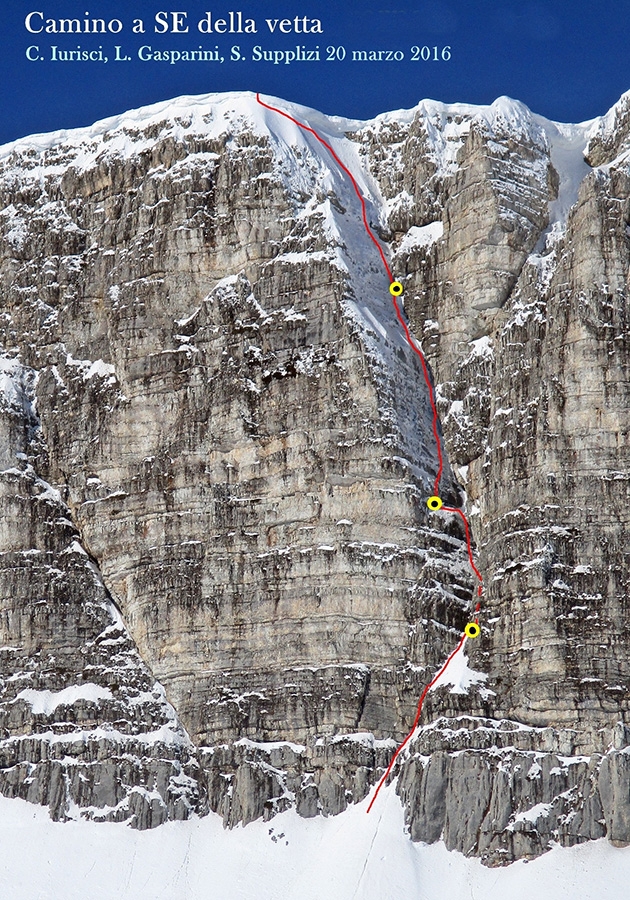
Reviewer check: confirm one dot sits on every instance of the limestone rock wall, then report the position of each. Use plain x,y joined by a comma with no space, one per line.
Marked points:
531,359
529,348
235,441
210,410
227,408
83,724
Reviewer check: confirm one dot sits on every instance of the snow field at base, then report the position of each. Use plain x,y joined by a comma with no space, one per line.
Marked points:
347,857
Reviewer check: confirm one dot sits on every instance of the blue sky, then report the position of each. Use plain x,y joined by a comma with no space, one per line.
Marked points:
566,60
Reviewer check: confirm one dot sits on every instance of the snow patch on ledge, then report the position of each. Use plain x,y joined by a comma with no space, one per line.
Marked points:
90,369
481,347
459,675
539,811
46,702
268,746
421,236
365,738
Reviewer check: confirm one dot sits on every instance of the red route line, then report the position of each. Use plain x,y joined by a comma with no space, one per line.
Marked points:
454,509
341,166
415,721
438,443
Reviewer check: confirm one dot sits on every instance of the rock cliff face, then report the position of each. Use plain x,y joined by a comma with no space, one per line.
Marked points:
533,393
84,723
221,586
522,303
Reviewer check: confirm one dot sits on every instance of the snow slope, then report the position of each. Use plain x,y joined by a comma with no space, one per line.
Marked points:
350,857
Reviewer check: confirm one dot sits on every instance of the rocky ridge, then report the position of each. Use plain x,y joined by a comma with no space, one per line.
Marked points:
216,434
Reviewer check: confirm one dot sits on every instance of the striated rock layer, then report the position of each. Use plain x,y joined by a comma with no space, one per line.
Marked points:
221,586
83,723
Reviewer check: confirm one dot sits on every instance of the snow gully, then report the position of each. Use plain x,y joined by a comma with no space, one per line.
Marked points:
434,503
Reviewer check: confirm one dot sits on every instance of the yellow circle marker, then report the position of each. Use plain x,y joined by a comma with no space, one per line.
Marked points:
434,503
396,289
472,630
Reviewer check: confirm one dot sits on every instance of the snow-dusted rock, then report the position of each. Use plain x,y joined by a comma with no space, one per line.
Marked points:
209,406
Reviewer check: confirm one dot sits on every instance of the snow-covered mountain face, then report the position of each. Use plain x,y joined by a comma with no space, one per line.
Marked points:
217,449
